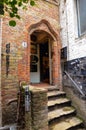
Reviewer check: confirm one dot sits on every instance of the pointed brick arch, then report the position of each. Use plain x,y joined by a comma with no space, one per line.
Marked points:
44,25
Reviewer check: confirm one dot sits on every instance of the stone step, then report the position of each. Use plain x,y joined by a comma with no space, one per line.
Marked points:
55,93
59,101
81,129
66,124
60,113
52,88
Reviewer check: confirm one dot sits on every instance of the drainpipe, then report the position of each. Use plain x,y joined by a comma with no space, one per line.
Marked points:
67,32
65,5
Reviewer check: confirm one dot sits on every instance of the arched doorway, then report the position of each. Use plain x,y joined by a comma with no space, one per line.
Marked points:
41,57
43,37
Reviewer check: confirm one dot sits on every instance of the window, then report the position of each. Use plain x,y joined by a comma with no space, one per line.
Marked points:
81,13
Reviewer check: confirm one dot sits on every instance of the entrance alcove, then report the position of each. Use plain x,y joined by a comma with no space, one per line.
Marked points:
41,57
44,50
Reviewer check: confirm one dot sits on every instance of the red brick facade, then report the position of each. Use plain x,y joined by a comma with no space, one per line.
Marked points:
43,17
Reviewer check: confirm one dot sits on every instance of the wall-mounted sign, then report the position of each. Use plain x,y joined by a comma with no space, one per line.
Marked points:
64,53
7,58
24,44
33,63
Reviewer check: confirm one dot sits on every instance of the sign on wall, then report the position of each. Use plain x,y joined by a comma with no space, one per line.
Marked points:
7,58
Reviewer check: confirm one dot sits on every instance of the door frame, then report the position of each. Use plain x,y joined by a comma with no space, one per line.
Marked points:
50,62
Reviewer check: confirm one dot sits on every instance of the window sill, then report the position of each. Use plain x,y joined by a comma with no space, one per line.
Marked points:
81,36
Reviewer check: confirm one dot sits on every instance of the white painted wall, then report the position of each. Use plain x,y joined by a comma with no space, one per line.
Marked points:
63,23
69,32
0,71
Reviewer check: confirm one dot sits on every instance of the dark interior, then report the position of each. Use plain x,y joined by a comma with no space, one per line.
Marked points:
44,62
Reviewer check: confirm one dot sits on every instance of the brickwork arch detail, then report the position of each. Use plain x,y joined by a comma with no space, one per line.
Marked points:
45,26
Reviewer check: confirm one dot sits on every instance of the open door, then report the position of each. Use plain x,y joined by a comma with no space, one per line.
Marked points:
34,64
44,62
40,58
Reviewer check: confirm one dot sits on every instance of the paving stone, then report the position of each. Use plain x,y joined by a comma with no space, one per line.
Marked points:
60,112
63,117
55,93
66,124
58,101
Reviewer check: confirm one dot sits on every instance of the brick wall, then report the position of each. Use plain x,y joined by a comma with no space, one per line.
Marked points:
39,109
16,63
0,69
34,116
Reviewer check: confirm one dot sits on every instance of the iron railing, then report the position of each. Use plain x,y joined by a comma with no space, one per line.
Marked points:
75,84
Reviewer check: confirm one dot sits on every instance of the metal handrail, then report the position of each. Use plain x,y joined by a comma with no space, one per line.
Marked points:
74,83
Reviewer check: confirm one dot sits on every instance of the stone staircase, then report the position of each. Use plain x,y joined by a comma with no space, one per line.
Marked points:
61,115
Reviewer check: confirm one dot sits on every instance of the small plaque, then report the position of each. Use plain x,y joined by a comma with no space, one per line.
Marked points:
24,44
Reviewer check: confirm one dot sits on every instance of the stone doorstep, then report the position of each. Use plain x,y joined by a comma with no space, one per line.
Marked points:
60,112
70,122
55,93
66,124
52,88
57,101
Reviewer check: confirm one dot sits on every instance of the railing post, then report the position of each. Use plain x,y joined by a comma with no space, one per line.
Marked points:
27,108
27,99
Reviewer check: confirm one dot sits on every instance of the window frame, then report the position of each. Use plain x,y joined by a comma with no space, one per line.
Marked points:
78,19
